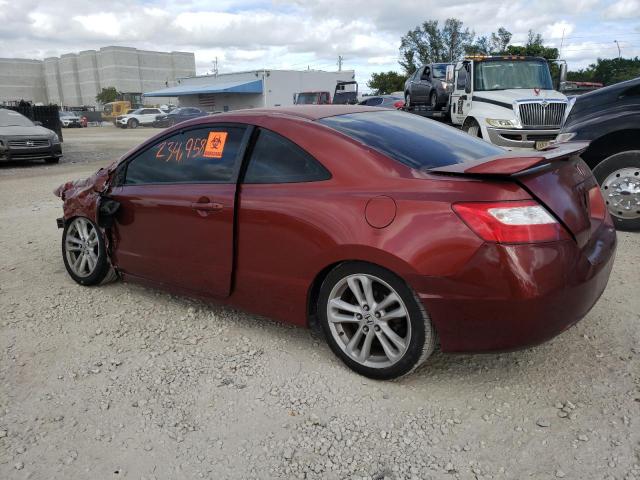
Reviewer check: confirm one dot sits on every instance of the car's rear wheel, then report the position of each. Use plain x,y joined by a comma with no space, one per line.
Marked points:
373,321
619,179
84,252
133,123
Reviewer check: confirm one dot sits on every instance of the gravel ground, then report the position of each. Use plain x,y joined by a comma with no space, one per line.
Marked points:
125,382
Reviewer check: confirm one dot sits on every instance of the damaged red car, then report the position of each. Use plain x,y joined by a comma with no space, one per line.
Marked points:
389,231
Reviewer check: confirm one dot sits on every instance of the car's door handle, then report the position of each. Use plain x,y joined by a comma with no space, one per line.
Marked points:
207,207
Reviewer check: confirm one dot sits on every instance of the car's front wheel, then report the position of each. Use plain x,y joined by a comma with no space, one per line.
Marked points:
84,252
433,100
619,179
373,321
133,123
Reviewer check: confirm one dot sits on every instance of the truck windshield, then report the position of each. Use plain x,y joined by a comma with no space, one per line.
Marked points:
308,99
506,74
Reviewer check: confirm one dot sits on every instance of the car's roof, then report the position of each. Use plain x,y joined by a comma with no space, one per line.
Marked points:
309,112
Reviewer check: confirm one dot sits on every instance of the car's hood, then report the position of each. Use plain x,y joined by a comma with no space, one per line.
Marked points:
25,131
515,94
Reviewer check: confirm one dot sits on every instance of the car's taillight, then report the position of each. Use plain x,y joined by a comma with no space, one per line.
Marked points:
399,104
522,221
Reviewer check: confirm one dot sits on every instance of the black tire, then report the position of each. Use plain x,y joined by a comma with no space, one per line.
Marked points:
102,266
422,336
52,160
133,123
473,128
607,168
407,101
433,100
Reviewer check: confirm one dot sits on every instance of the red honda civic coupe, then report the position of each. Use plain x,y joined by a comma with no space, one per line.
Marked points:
388,230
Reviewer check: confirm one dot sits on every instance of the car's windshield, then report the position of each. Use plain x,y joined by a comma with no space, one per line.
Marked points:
439,70
137,112
411,139
178,111
506,74
308,99
9,118
68,114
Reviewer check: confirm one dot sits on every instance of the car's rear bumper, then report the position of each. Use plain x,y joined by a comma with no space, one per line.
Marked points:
513,296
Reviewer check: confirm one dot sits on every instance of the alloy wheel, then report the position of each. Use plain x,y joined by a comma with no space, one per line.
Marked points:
369,321
621,190
81,247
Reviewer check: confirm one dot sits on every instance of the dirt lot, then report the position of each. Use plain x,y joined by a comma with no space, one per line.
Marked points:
124,382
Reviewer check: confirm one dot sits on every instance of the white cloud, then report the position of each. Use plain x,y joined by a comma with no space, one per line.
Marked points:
249,34
623,9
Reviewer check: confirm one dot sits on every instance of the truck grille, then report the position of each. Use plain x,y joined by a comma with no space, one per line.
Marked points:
29,143
542,113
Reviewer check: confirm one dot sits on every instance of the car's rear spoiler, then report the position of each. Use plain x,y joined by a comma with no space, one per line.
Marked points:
514,163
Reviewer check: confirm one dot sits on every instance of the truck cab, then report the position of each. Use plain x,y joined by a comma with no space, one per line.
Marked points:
507,100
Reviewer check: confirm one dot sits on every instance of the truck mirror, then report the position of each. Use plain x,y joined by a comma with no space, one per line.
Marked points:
563,73
450,73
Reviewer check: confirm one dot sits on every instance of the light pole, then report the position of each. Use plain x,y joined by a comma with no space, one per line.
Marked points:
616,42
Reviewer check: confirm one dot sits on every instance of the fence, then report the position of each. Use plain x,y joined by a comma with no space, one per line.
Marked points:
47,115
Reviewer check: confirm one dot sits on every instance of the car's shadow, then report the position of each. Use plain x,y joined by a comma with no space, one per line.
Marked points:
441,369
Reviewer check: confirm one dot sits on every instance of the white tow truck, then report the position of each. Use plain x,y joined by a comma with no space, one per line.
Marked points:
506,100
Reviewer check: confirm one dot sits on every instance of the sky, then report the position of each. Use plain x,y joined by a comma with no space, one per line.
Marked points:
300,34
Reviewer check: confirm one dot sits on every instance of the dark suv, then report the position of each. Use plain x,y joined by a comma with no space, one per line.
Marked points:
609,118
427,86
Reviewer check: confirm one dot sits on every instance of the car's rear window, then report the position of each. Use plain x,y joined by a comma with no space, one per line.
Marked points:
411,139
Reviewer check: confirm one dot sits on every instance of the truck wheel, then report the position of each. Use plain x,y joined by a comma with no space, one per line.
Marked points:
619,178
133,123
473,129
373,321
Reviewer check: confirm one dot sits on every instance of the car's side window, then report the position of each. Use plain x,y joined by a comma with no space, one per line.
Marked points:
202,155
275,159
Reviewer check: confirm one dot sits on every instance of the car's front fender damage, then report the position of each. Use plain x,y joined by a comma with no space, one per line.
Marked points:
87,198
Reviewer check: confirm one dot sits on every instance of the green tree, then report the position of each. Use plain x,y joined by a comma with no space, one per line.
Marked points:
109,94
386,82
608,71
533,48
428,43
500,40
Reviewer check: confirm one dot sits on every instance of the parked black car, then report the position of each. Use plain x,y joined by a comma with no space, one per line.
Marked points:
427,86
178,115
610,119
383,101
21,139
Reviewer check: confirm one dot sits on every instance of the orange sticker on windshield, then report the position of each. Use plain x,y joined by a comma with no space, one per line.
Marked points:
215,145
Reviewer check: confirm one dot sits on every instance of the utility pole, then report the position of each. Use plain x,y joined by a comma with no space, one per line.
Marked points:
561,44
340,59
619,54
215,67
